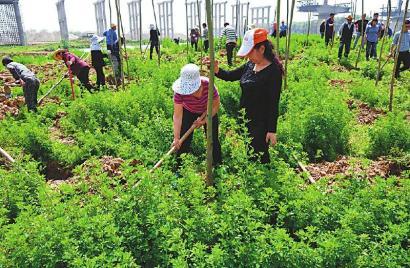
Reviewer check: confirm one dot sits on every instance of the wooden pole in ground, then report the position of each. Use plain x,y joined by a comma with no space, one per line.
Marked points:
308,29
125,42
383,42
187,30
288,43
120,44
277,26
201,43
109,7
209,173
362,38
396,58
140,25
7,156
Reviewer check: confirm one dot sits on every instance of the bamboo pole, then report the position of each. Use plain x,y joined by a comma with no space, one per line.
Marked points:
140,17
277,25
308,29
109,7
7,156
396,58
288,43
201,43
209,173
362,36
187,30
120,44
383,42
124,44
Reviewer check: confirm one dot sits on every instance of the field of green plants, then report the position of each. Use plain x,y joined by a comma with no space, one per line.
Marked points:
69,199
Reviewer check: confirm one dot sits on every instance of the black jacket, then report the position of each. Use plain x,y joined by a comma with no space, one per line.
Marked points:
154,36
347,33
260,92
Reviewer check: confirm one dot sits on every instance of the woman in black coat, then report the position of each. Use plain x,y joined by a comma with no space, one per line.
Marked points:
261,82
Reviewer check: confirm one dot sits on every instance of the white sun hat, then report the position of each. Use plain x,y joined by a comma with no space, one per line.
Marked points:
95,42
251,38
189,80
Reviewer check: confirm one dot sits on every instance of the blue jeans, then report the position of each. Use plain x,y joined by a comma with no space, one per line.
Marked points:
371,49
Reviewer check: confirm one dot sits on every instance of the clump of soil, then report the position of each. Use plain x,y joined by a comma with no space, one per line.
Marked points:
111,165
10,106
56,171
339,82
347,168
366,114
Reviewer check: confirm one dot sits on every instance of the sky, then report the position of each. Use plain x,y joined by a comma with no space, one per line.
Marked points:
42,14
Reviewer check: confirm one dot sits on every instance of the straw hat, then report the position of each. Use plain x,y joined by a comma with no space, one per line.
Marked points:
189,80
58,51
349,17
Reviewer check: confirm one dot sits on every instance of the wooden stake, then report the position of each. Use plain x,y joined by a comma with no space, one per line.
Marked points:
362,35
277,26
288,43
7,156
209,173
120,43
396,58
384,40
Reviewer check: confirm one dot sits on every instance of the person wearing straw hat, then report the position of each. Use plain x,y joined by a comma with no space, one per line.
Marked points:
261,82
190,103
77,66
346,35
97,59
26,79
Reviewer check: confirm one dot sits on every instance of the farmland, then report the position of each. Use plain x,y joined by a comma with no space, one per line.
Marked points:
69,199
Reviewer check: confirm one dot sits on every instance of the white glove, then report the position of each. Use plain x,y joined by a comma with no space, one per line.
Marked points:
108,52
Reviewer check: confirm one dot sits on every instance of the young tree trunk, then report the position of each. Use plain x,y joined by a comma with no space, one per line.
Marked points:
383,42
120,43
288,44
403,30
209,171
362,37
277,25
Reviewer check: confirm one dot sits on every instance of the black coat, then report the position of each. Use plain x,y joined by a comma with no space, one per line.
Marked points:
347,33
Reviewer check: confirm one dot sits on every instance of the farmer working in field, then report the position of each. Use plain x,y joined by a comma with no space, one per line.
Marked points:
261,81
330,29
190,103
26,79
230,44
154,40
372,37
404,53
97,59
76,66
346,34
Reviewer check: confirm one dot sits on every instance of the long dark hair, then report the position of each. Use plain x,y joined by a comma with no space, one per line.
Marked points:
269,54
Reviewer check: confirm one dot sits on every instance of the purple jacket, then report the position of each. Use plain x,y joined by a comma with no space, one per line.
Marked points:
77,63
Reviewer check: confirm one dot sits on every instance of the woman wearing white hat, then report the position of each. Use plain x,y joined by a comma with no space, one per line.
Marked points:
190,103
97,59
261,81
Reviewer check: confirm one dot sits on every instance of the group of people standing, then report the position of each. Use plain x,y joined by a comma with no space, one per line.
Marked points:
370,32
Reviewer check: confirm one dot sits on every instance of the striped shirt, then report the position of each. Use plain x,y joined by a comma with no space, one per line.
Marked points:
193,104
230,34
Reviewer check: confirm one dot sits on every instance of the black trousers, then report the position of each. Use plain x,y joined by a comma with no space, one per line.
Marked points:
328,38
151,49
229,51
282,34
404,57
188,119
194,44
30,90
83,77
346,46
257,132
206,45
100,75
